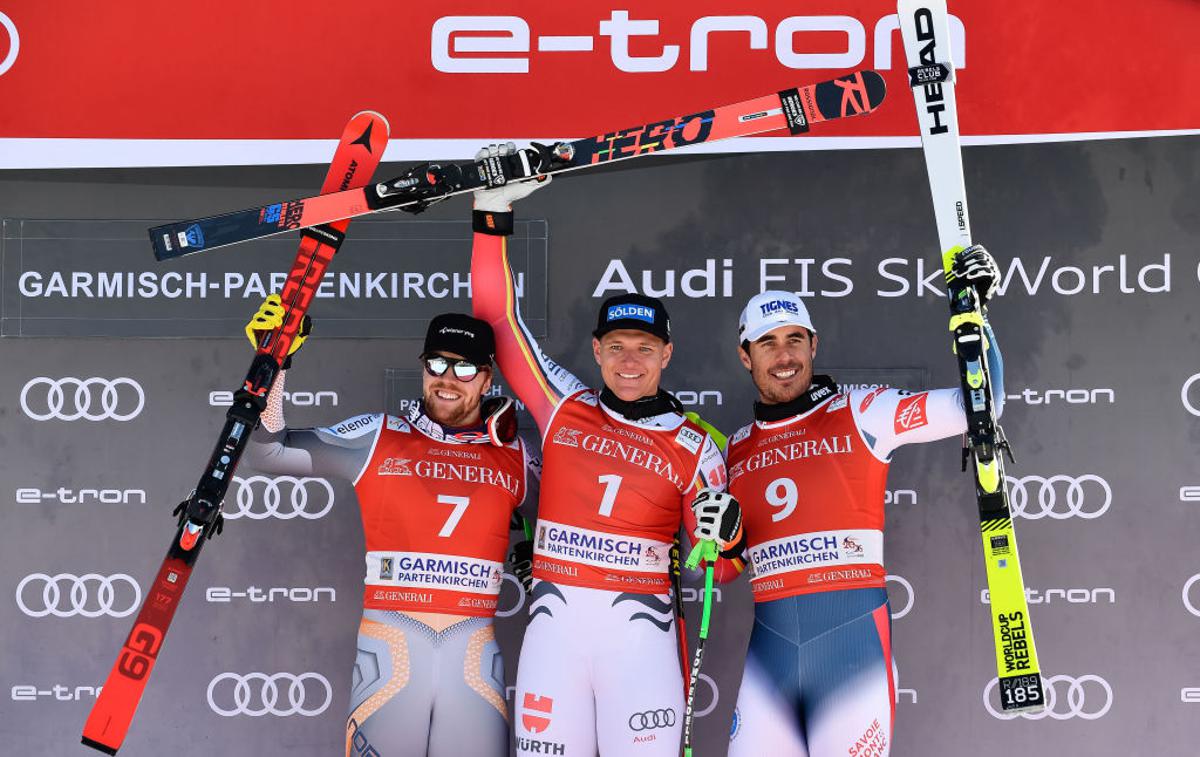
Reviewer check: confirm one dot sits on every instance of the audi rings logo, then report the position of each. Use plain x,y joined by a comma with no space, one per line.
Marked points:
258,694
910,595
651,719
261,497
1059,497
1185,392
90,595
1187,599
14,44
90,399
1087,697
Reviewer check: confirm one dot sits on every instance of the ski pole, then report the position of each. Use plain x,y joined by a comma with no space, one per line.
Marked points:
705,551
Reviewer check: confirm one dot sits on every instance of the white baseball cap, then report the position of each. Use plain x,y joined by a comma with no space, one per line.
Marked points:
770,310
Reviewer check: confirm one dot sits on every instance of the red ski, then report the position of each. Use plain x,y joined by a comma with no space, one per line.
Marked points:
356,158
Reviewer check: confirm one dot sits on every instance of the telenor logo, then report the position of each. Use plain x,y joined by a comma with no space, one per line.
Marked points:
776,306
637,312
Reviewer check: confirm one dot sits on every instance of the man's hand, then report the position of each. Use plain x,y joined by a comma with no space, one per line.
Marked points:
718,518
500,199
270,317
975,267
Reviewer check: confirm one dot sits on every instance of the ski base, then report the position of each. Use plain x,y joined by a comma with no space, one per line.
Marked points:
795,109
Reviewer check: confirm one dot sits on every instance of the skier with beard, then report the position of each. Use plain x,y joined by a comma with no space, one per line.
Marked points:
436,490
623,471
811,472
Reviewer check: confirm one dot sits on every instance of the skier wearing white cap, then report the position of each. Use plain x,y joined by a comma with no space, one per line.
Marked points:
810,472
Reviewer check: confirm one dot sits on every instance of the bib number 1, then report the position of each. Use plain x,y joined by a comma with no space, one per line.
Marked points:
612,483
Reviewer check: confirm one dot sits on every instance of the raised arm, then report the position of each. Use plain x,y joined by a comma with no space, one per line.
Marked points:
537,380
891,418
340,451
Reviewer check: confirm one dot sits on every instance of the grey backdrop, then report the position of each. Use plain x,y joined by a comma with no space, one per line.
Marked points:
1102,377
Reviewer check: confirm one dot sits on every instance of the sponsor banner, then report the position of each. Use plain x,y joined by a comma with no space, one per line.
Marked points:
836,277
818,549
600,549
99,278
424,570
78,105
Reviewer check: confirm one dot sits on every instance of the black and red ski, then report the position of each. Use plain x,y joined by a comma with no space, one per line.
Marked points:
358,154
793,109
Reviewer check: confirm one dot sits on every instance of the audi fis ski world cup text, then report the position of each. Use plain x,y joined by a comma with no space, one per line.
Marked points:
506,44
836,277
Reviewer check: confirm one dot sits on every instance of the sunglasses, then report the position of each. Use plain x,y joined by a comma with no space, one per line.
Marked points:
464,370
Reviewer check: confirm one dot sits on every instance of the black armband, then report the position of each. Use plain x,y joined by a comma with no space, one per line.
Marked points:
489,222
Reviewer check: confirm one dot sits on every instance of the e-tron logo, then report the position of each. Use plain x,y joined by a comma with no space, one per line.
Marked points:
1184,395
1059,497
91,399
14,44
91,595
272,502
1087,697
909,594
1187,599
258,694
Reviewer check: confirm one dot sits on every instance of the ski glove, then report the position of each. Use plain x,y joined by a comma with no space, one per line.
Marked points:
718,518
270,317
975,267
520,559
500,199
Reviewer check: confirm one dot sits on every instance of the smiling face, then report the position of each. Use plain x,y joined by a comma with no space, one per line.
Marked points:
631,362
451,402
781,363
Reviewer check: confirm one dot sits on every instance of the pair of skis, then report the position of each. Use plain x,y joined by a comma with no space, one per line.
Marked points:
925,27
346,193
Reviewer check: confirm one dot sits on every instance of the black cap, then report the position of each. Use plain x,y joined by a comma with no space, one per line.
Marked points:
633,311
462,335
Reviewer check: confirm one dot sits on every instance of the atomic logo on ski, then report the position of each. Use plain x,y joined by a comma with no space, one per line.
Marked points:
365,139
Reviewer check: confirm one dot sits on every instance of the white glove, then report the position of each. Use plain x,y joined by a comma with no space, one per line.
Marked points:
718,518
500,199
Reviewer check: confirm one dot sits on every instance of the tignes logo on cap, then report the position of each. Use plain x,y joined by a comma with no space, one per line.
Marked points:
779,306
636,312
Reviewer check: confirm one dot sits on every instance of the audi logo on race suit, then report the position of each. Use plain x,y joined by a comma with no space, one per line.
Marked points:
14,44
258,694
91,399
651,719
1059,497
66,595
1186,395
261,497
1191,606
910,596
1087,697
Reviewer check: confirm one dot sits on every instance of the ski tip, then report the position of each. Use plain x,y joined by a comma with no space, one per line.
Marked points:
98,746
876,87
382,119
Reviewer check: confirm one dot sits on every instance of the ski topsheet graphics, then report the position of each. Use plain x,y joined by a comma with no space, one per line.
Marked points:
925,27
356,158
793,109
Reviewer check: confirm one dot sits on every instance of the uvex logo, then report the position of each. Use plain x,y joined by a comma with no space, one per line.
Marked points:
507,45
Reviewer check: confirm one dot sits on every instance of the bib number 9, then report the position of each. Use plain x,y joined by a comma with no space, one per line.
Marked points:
782,493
